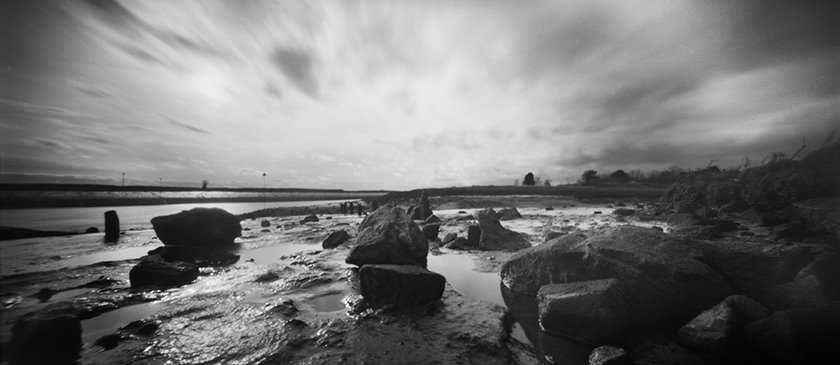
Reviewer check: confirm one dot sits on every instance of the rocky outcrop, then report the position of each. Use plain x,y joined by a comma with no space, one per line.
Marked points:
335,239
665,284
198,227
153,271
720,329
588,311
400,284
422,211
388,236
495,237
51,335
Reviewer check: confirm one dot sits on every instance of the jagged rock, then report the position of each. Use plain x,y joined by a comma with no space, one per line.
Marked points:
198,227
153,271
508,214
608,355
459,243
388,236
720,329
799,336
335,239
665,284
424,210
309,218
496,237
51,335
431,231
449,237
588,311
400,284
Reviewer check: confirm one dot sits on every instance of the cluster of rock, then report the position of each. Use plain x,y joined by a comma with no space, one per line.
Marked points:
489,234
725,300
391,252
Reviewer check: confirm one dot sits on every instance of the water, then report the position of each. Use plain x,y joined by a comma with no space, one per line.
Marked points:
79,219
110,322
458,270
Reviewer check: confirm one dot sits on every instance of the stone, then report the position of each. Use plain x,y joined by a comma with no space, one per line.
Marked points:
588,311
449,237
335,239
799,336
389,236
473,236
199,256
92,230
508,214
550,235
423,210
153,271
400,284
433,219
608,355
624,212
495,237
468,217
309,218
51,335
198,227
431,231
822,214
720,329
459,243
489,212
265,223
112,226
666,285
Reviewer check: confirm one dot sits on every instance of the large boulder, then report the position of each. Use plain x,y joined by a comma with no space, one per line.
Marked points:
198,227
665,284
473,235
153,271
424,210
335,239
720,329
496,237
388,236
51,335
400,284
799,336
589,311
431,231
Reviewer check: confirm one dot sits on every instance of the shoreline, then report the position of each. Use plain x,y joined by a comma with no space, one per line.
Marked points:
87,202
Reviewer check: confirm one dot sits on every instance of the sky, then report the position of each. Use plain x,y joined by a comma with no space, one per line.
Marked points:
406,94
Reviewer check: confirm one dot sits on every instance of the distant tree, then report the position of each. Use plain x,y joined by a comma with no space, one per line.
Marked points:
620,176
537,180
547,182
588,176
529,179
204,184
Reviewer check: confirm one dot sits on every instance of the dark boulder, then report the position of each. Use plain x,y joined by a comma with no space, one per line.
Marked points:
459,243
508,214
51,335
153,271
335,239
433,219
473,236
309,218
400,284
496,237
799,336
624,212
449,237
388,236
112,226
589,311
665,284
92,230
431,231
424,210
198,227
265,223
720,329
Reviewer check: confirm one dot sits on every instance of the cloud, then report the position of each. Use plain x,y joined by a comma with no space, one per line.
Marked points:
186,126
296,66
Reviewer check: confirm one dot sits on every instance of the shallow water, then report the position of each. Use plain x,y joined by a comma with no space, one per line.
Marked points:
109,322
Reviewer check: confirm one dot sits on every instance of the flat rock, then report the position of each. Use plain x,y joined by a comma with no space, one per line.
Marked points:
198,227
400,284
152,271
388,236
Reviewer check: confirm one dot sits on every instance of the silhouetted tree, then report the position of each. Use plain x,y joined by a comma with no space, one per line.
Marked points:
588,176
547,182
529,179
620,176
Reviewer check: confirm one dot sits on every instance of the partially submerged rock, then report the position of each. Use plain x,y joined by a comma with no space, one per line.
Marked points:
496,237
198,227
335,239
589,311
51,335
310,218
400,284
388,236
508,214
153,271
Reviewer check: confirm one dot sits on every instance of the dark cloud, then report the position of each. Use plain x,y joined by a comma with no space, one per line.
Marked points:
296,66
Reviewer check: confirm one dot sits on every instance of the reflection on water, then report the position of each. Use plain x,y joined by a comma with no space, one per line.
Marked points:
459,272
270,254
111,255
328,303
109,322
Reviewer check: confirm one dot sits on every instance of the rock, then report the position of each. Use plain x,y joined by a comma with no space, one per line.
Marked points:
464,218
489,212
459,243
388,236
816,285
496,237
449,237
51,335
309,218
720,330
799,336
335,239
549,208
265,223
92,230
431,231
608,355
112,226
507,214
550,235
597,212
267,277
424,210
156,272
198,227
400,284
195,255
433,219
624,212
665,284
473,236
588,311
822,214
